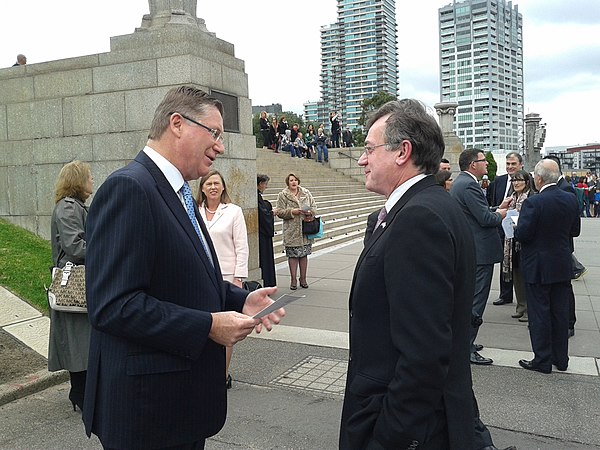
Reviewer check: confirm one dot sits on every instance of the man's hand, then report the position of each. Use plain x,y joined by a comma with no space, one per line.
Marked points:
258,300
505,203
502,212
231,327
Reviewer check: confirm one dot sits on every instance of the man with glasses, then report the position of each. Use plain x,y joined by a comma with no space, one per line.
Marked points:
483,223
409,379
499,189
160,311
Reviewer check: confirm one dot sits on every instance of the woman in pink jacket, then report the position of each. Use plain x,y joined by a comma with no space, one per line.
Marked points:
227,229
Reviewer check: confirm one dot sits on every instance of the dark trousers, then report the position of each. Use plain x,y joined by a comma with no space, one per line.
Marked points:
577,267
77,391
548,311
198,445
482,437
483,280
266,260
506,290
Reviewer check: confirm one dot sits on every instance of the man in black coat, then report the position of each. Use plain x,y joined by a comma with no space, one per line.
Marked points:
499,189
549,217
266,231
409,377
578,269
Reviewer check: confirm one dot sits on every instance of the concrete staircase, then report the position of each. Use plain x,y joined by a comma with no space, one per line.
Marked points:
342,201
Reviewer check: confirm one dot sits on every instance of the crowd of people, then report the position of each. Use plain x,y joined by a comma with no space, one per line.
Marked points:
279,136
587,191
165,274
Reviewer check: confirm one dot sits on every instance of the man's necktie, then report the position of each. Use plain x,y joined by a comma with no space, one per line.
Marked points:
381,217
189,208
510,188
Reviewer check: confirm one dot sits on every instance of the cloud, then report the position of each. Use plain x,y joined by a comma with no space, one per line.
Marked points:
560,11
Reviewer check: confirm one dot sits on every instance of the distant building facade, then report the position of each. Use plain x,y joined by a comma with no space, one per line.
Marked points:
273,109
359,57
586,157
481,69
316,113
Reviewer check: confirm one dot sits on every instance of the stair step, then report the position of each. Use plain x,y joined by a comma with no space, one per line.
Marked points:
342,200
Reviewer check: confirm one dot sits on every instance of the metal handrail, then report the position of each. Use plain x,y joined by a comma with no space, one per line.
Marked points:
348,156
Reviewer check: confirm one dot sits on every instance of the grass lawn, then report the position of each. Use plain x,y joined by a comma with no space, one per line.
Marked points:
24,264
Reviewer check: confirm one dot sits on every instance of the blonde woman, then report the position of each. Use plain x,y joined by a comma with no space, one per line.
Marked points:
294,205
70,332
227,229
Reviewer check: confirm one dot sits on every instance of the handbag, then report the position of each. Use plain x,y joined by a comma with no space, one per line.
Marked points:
67,290
251,285
318,234
311,227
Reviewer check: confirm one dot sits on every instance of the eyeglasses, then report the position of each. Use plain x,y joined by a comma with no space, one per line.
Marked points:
514,180
480,160
369,149
216,134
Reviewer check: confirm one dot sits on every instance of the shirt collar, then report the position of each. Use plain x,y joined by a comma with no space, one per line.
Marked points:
547,185
170,172
401,190
471,175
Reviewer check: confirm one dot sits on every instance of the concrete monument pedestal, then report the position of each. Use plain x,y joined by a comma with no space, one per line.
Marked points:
453,145
98,108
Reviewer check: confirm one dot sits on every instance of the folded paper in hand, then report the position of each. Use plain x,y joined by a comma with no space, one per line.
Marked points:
279,303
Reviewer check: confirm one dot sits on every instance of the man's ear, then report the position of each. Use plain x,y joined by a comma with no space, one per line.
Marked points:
403,152
176,124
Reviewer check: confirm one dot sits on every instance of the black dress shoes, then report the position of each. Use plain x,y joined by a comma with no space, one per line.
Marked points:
501,301
493,447
529,365
476,358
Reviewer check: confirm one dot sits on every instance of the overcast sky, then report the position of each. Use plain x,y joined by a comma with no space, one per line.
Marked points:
279,42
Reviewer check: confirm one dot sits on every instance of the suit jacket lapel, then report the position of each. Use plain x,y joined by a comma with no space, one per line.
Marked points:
377,233
174,204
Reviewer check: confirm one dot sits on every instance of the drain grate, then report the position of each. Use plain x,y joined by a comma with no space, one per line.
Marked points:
316,374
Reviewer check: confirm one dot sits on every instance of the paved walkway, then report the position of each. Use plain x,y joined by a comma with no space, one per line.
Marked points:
320,318
300,367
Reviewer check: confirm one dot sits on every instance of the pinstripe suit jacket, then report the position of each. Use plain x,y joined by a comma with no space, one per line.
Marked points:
154,379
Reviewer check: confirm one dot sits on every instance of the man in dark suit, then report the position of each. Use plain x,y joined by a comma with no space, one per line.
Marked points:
266,231
578,269
160,311
409,380
483,224
499,189
482,438
549,217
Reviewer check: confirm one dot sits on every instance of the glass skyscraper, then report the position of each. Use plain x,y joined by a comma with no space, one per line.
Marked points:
481,69
358,58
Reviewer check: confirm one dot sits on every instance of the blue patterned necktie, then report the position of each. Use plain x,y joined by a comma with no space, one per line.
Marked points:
189,208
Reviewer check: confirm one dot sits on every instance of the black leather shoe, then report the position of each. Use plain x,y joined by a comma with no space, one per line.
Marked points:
530,366
478,347
493,447
501,301
571,332
476,358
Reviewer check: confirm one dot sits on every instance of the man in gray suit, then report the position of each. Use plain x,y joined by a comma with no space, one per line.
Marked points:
483,222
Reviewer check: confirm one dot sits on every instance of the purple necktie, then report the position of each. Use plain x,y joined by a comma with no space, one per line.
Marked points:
381,217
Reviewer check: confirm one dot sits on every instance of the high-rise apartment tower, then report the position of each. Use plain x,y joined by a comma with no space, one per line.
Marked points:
481,69
358,57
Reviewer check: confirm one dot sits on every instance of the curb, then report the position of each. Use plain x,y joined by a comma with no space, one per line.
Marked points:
30,384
